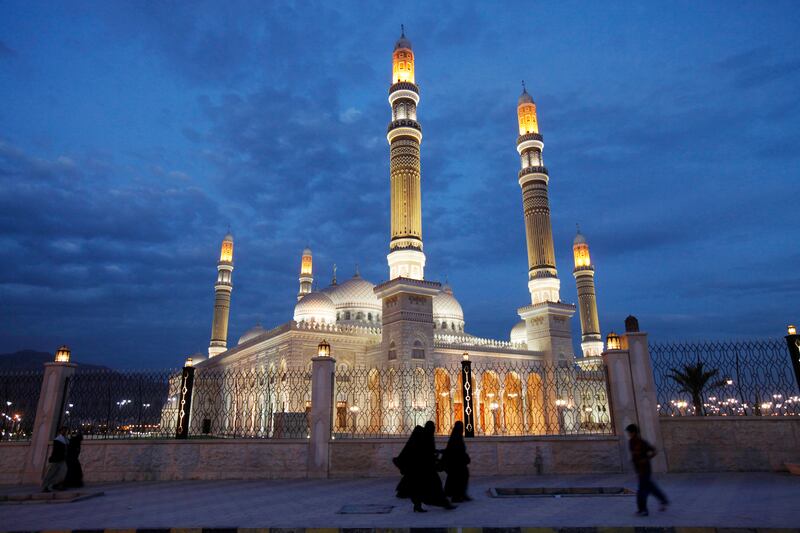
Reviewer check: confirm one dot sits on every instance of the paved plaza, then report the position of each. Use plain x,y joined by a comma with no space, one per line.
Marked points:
723,500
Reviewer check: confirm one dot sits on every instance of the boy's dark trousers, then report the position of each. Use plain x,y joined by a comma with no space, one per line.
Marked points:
647,487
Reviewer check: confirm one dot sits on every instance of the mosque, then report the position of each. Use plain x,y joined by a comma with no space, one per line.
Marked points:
410,320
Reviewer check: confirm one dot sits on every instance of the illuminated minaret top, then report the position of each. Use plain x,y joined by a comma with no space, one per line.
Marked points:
543,282
591,339
406,258
222,298
306,273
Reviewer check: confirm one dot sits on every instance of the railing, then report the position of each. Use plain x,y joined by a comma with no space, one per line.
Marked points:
738,378
446,340
529,137
532,170
251,403
19,396
226,403
510,399
111,404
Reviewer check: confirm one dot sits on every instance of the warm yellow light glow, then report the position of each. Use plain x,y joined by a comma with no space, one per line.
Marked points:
403,65
526,113
226,254
306,264
63,354
188,362
324,349
791,329
613,342
465,356
581,253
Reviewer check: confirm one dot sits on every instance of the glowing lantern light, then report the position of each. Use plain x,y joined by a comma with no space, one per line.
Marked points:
63,354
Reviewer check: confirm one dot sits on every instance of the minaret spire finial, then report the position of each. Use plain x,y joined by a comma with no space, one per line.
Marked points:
333,281
357,274
402,30
523,87
578,227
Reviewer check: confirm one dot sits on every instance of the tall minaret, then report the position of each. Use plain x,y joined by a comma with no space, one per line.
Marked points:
406,258
222,298
591,340
543,282
547,326
306,273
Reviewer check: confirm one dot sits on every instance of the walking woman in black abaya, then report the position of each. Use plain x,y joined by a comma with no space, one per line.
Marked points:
455,460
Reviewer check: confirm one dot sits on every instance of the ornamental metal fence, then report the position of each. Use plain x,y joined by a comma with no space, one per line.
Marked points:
120,404
225,403
736,378
251,403
19,394
508,399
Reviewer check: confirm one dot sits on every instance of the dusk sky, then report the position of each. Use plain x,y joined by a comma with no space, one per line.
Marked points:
132,135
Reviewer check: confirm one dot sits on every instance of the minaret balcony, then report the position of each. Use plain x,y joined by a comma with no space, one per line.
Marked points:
533,170
404,123
404,86
530,137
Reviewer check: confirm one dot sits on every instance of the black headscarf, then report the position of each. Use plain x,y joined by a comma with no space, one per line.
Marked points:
456,442
410,453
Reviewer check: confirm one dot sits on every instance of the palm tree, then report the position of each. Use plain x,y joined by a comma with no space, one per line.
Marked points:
693,380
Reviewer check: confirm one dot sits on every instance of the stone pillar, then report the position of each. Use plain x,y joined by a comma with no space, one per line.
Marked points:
48,417
322,369
632,393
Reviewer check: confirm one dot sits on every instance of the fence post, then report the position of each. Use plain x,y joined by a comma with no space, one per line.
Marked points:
185,401
633,395
793,343
322,369
48,417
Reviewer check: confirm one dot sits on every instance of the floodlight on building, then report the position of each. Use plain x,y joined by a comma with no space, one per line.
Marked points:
613,342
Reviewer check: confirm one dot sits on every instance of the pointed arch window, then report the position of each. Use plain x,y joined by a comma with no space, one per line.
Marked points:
392,351
418,352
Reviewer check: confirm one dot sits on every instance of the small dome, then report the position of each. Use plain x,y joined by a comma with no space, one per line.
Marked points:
579,238
524,98
315,307
307,251
447,312
402,42
251,333
356,292
228,237
518,334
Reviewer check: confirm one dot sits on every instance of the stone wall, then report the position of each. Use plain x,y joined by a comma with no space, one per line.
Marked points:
490,456
146,460
12,461
714,444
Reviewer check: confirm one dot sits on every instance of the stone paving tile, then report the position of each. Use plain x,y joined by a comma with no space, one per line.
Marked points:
746,500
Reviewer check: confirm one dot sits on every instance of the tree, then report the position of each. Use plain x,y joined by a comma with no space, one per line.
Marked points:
693,380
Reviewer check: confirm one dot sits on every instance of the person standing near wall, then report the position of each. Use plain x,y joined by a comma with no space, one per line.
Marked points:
641,453
74,476
57,463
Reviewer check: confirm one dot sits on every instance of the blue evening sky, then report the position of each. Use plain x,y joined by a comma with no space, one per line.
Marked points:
132,134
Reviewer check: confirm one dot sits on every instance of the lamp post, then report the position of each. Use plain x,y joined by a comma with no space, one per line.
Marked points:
793,343
185,400
467,402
